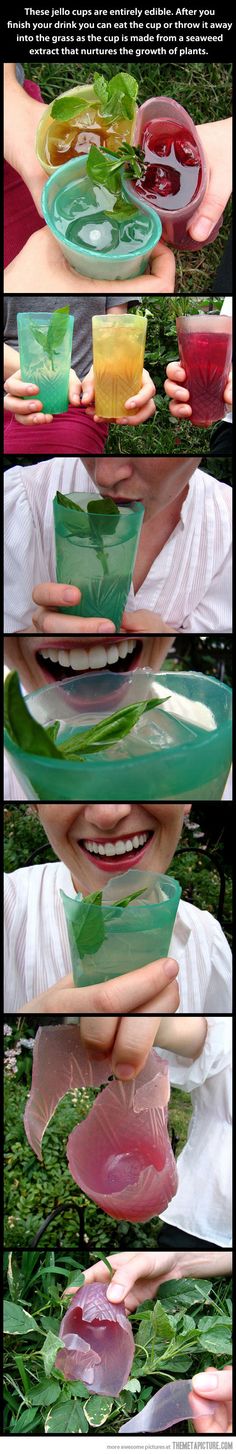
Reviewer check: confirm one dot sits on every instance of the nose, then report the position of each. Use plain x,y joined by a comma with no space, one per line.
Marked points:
110,471
106,815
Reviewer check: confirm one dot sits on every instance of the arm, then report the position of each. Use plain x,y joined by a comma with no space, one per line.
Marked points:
138,1275
185,1035
21,118
11,361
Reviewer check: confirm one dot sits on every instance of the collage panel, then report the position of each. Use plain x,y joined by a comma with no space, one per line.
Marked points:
117,796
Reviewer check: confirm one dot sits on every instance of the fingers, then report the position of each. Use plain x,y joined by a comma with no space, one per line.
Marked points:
15,386
27,410
146,393
228,392
163,268
175,391
205,1416
125,995
143,621
214,1383
175,372
133,1040
51,595
167,1002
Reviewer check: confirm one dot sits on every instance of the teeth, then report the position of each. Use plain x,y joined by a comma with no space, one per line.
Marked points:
117,849
78,659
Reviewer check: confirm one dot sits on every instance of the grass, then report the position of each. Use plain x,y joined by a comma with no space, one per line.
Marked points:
33,1190
205,90
187,1326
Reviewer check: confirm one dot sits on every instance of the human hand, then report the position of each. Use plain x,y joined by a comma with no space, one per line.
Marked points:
49,597
216,140
137,1276
21,118
175,390
104,1007
47,270
141,622
215,1384
29,410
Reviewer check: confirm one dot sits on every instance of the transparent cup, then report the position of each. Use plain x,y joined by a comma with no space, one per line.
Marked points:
118,359
58,142
133,936
205,349
75,210
97,555
174,218
48,368
163,758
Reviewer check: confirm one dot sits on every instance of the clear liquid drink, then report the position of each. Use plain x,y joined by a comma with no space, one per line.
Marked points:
44,362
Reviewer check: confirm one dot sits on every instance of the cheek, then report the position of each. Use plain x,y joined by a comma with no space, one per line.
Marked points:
58,823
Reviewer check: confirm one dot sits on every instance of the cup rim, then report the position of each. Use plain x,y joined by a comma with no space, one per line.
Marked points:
101,255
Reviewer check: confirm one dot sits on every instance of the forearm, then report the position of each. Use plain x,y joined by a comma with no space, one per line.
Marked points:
203,1264
183,1034
120,308
11,361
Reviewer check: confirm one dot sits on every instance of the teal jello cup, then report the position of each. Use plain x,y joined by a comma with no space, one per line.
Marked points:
49,368
119,940
113,250
96,552
163,758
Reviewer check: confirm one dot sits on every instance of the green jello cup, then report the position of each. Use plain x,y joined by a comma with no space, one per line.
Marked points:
97,553
75,209
163,758
46,366
120,940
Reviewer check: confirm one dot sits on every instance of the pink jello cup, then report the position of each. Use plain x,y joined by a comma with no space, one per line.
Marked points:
175,220
205,349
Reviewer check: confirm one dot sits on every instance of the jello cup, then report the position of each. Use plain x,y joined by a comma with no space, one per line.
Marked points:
205,349
48,368
134,935
175,220
118,358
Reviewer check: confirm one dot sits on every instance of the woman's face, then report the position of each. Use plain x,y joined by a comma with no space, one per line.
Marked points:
97,840
42,660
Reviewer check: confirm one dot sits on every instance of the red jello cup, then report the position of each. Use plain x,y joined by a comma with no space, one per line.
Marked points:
205,350
174,219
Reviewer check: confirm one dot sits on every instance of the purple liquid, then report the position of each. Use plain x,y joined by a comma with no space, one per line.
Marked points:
206,360
173,172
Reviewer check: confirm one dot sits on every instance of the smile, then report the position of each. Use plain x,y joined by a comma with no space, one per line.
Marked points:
125,851
63,663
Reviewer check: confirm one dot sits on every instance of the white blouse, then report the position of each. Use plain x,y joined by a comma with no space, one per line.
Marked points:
37,952
189,583
202,1205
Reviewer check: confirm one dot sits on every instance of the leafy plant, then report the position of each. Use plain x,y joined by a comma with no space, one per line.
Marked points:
116,98
51,341
100,518
189,1322
105,170
31,737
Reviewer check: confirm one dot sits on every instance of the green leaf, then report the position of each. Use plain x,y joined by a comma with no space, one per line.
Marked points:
122,903
45,1394
89,929
111,729
65,107
123,210
122,93
17,1321
97,1410
100,87
22,728
104,514
103,169
53,731
49,1351
57,328
69,504
67,1418
26,1422
162,1327
39,336
133,1386
187,1292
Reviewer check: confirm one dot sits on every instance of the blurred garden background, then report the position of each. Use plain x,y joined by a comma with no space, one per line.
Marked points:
205,90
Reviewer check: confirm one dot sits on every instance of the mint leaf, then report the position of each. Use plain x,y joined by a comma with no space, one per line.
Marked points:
89,931
122,94
65,107
57,328
24,731
39,336
103,516
123,210
100,87
102,168
111,729
122,903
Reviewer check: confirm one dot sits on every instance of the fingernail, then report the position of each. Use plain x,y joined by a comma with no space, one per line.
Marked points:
70,594
170,968
124,1072
201,229
204,1382
115,1292
32,404
105,626
31,388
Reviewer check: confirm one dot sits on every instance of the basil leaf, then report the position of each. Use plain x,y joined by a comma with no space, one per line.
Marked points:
100,87
69,504
65,107
104,514
39,336
57,328
122,904
25,732
101,168
111,729
122,211
89,932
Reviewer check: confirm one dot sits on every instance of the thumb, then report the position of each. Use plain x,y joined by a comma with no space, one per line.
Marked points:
163,268
211,211
127,1275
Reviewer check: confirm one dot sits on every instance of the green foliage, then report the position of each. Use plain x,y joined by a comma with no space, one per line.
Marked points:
189,1323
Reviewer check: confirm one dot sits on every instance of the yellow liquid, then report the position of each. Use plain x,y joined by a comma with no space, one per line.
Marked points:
118,357
65,140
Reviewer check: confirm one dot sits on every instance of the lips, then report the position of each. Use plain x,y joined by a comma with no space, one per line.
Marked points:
111,859
60,661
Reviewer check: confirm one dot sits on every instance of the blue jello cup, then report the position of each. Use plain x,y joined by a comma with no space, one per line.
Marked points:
121,257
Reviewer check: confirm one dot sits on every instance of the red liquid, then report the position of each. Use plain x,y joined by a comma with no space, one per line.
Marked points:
206,360
173,173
